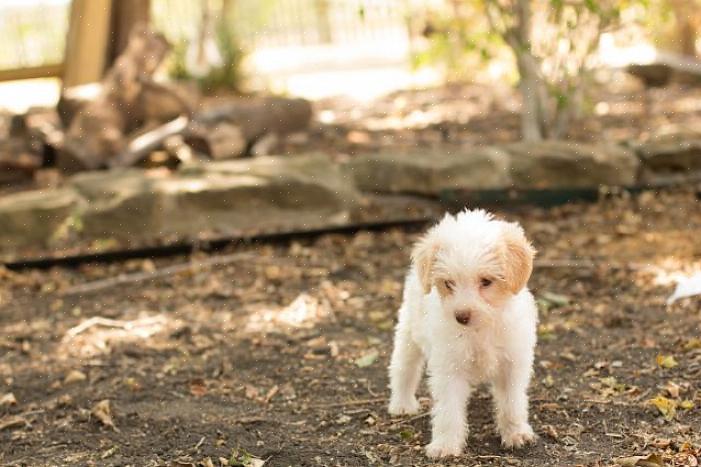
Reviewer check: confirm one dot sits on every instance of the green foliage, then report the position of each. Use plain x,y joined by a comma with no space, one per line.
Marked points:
228,75
462,43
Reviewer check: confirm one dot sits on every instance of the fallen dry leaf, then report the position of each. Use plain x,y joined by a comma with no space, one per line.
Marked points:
103,412
367,359
198,387
251,392
7,399
651,460
666,407
672,389
271,393
74,376
666,361
13,421
687,404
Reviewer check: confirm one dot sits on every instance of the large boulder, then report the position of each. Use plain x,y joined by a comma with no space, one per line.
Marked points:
560,164
431,173
35,218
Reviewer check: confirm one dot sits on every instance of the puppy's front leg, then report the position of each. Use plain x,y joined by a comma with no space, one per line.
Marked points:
510,396
450,393
405,370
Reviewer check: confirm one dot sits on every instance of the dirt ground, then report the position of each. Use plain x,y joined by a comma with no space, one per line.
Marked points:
282,353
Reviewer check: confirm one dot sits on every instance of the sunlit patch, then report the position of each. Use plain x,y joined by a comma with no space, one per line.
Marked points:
670,271
304,312
98,335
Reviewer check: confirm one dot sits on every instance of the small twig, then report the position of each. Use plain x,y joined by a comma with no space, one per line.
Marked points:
410,419
607,402
199,443
247,420
137,277
348,403
12,422
370,391
110,323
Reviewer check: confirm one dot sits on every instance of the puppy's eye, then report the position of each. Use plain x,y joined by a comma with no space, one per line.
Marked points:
450,285
484,282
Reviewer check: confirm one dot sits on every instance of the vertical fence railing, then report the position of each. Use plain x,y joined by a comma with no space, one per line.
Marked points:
281,23
33,37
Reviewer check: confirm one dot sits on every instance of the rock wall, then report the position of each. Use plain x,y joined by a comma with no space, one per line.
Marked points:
297,192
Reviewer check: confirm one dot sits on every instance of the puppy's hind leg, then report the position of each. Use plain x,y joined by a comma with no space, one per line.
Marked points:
405,369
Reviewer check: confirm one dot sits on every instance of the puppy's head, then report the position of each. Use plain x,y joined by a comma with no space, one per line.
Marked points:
476,263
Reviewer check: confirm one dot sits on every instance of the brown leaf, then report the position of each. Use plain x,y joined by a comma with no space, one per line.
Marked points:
651,460
198,387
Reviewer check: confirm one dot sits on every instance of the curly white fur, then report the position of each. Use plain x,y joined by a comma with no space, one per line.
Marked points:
468,316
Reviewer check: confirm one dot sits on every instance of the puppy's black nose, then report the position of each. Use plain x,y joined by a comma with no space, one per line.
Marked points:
463,316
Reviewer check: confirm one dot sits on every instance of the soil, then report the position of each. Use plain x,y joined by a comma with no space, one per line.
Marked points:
283,353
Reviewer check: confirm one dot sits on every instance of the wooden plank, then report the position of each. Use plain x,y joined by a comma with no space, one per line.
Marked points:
87,44
43,71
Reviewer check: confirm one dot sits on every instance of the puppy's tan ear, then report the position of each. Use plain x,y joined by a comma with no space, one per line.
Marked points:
423,256
518,257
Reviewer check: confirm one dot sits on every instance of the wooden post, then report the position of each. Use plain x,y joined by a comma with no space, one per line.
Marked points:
125,15
87,41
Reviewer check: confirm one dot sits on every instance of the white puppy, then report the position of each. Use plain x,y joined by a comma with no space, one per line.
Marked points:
468,315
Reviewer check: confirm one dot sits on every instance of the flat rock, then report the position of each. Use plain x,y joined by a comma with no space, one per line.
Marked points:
298,192
36,218
560,164
431,173
214,198
672,153
121,203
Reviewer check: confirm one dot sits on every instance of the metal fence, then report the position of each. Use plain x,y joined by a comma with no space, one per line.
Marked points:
282,23
33,33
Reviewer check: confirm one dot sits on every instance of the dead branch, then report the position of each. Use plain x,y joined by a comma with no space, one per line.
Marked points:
137,277
140,146
348,403
110,323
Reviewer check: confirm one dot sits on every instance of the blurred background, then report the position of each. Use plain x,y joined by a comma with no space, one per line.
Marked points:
207,209
176,85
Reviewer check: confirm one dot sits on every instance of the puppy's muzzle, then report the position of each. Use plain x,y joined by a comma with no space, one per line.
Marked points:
463,317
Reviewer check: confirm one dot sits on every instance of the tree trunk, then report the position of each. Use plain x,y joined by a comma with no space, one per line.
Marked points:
533,114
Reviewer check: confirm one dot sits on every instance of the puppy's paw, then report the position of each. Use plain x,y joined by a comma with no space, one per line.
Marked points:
517,437
443,449
408,406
